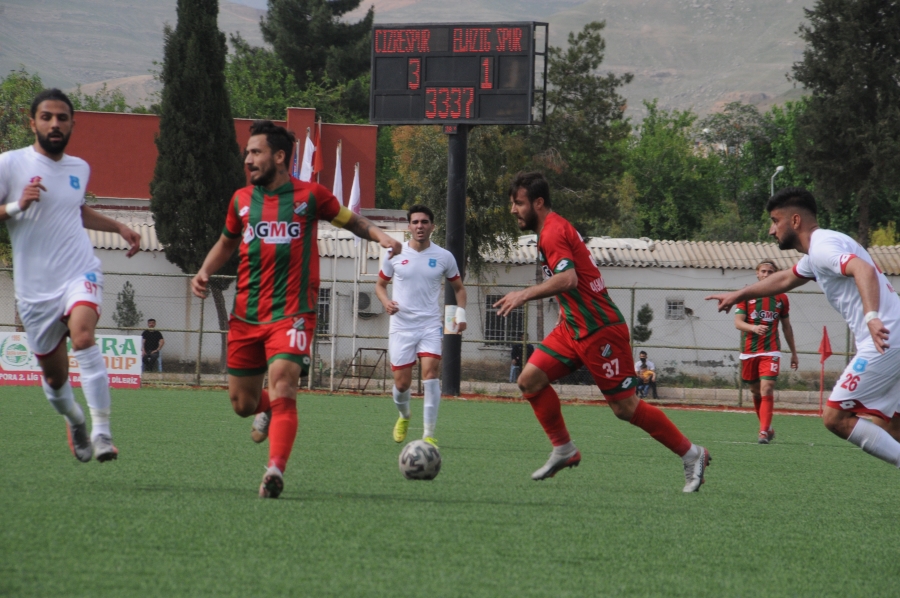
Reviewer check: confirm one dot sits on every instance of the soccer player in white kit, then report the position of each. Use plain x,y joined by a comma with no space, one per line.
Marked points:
416,322
854,286
58,282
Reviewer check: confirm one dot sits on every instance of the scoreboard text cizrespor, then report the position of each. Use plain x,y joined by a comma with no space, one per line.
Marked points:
456,73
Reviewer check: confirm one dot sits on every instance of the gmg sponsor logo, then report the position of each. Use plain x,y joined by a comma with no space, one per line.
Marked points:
275,233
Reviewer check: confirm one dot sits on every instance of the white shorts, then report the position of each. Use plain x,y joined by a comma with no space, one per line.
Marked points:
405,346
870,384
45,321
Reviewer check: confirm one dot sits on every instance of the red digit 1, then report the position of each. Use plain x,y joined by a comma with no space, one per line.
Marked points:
486,79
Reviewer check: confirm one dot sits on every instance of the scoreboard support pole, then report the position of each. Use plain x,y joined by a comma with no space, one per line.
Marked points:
451,364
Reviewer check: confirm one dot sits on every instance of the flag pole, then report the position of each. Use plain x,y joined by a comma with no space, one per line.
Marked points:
337,186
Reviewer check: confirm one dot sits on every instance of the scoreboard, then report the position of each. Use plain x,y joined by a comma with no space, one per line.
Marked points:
466,73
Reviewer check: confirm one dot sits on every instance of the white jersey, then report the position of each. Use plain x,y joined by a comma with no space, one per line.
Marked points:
829,253
50,245
417,277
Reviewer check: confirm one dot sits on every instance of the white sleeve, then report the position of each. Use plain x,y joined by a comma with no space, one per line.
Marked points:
803,269
4,178
831,255
387,268
451,271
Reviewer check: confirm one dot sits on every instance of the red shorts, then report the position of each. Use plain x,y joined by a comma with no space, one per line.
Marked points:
252,347
606,354
764,366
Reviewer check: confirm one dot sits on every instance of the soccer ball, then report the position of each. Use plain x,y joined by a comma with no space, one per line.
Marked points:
420,461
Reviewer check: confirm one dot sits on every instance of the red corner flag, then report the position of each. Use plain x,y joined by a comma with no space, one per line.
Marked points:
824,346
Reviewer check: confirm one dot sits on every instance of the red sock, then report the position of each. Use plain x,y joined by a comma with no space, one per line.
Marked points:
263,403
653,421
765,413
547,409
757,401
282,431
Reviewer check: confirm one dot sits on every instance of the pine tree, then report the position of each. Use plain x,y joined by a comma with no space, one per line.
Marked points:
127,314
199,165
642,332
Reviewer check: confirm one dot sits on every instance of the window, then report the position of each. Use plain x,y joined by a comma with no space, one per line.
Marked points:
323,312
497,328
674,308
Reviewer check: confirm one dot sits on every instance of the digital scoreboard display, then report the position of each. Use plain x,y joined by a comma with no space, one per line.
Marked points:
457,73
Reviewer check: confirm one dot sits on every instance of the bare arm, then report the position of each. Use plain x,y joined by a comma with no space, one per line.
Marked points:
866,278
556,284
459,289
780,282
741,323
215,259
30,194
94,220
391,307
789,337
364,228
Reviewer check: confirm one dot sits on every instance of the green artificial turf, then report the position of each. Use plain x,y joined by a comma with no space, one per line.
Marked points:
178,513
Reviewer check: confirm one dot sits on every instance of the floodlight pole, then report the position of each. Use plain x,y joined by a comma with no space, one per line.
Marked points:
455,244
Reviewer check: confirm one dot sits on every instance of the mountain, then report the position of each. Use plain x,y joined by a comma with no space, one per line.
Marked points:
695,54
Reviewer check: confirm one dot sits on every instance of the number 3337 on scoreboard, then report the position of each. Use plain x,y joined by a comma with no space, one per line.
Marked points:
490,73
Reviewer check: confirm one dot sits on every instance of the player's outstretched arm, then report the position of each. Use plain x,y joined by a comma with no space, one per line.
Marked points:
363,228
556,284
215,259
866,278
780,282
93,220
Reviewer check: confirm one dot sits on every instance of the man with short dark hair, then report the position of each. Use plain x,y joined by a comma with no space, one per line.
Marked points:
59,285
758,319
856,287
591,332
152,342
273,222
646,371
415,310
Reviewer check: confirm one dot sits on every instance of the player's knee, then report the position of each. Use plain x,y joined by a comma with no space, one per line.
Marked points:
285,389
82,339
242,406
836,423
54,380
623,410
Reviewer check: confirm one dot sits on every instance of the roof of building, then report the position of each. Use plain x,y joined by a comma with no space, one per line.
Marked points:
626,253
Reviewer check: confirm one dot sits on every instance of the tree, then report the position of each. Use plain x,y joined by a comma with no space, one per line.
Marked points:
127,314
641,333
310,37
199,165
850,131
580,147
676,185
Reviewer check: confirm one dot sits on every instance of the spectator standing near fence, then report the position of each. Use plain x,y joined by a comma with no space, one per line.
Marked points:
592,332
415,309
646,369
58,282
152,342
855,287
758,319
273,223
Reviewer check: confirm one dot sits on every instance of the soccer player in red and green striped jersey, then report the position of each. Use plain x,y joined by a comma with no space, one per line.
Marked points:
757,319
591,332
274,224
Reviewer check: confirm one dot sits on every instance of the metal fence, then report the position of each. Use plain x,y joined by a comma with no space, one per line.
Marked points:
691,344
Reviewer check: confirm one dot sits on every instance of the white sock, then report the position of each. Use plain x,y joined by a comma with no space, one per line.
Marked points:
401,400
63,400
875,441
432,404
564,450
692,454
95,385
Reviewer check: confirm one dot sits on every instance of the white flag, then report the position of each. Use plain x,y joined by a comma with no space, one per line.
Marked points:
354,197
338,188
306,169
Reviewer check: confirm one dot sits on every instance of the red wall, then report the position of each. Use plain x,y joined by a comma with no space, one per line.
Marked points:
122,152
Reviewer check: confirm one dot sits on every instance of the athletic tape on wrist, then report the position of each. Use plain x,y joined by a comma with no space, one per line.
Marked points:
460,315
12,209
871,316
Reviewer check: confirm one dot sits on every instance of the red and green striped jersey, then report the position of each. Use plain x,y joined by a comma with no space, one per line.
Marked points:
764,310
278,273
588,307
